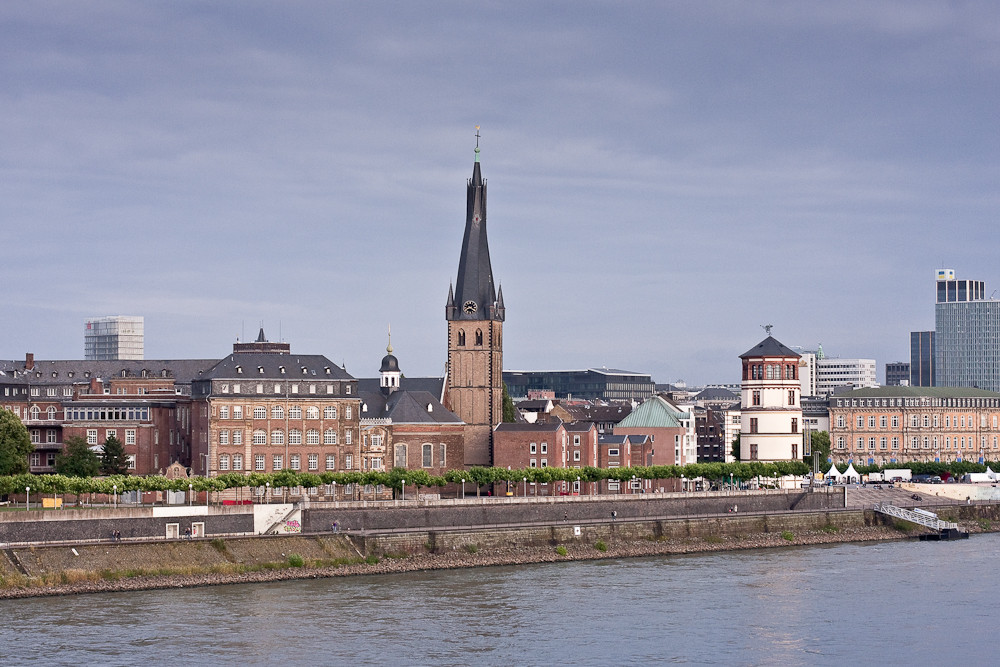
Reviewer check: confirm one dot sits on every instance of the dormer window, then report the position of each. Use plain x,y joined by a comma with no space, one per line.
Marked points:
281,369
70,374
326,369
239,370
54,374
260,369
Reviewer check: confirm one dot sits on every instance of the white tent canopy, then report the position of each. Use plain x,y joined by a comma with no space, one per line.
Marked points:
851,473
990,473
834,473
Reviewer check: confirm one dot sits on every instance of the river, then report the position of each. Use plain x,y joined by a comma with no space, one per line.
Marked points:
917,603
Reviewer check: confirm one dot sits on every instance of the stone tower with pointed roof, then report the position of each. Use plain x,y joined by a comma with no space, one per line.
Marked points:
771,416
475,315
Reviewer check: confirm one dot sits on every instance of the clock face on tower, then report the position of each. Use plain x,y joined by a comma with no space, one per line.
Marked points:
470,307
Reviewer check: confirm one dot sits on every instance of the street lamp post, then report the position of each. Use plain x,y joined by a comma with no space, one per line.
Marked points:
114,487
207,492
577,485
27,498
335,491
267,488
190,494
404,488
463,488
633,483
525,480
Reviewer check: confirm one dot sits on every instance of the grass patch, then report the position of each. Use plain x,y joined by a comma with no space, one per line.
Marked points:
295,560
830,529
561,550
219,545
787,535
713,539
372,560
985,524
904,526
472,548
601,546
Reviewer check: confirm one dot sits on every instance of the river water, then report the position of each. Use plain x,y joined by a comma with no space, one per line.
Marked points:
917,603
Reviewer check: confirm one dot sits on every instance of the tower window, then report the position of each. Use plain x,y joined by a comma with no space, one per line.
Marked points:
479,337
461,339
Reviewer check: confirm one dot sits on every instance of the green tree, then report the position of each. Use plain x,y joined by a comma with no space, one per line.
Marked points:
77,459
114,461
509,411
820,443
15,445
736,447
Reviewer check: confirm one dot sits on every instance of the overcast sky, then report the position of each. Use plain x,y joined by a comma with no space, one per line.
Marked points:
664,178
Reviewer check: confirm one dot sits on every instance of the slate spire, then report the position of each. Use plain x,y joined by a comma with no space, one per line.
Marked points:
475,296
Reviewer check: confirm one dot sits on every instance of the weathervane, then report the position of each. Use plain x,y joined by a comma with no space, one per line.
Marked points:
767,328
477,137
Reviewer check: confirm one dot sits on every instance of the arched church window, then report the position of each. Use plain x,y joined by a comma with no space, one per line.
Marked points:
479,336
461,339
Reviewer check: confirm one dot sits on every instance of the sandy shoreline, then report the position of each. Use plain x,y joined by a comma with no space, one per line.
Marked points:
462,559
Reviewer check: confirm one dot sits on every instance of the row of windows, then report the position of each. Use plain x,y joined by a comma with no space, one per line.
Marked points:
113,433
916,421
278,412
106,414
770,371
260,437
426,455
915,443
279,389
923,401
235,462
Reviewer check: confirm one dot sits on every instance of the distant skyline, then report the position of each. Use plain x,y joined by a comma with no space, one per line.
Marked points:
664,178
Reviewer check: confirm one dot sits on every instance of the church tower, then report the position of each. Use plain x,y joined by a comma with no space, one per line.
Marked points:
475,315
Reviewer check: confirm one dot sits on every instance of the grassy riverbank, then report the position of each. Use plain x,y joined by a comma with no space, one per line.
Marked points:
126,567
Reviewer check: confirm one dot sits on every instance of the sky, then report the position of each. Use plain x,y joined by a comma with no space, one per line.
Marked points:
665,178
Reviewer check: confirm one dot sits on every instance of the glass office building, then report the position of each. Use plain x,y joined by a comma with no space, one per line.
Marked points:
966,335
921,359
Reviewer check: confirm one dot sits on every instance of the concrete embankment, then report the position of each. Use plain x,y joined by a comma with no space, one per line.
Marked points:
120,566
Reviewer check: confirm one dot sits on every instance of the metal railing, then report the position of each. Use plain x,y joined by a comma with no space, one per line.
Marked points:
927,519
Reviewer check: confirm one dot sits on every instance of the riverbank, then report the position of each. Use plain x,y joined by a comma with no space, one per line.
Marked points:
129,577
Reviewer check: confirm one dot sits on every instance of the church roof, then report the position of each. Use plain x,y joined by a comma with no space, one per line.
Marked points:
406,407
653,413
770,347
475,295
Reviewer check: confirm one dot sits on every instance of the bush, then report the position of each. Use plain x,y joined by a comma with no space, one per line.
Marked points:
787,535
295,560
601,546
219,544
372,560
471,548
561,550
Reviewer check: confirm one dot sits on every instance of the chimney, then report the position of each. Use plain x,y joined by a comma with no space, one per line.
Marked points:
96,386
29,361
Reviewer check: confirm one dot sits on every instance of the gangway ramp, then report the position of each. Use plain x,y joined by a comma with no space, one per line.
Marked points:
945,529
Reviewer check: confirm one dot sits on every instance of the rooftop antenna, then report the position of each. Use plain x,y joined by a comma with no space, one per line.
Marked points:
767,328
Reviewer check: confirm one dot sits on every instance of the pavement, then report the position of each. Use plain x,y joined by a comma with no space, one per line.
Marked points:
865,497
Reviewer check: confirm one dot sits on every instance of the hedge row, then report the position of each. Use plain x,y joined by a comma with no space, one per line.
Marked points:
394,478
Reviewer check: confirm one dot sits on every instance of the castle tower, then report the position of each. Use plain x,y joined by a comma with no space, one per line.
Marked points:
771,414
475,315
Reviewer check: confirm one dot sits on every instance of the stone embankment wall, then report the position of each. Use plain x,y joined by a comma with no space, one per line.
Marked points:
567,533
524,511
90,524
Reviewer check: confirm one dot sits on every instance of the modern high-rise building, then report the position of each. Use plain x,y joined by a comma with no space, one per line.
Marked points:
897,373
113,337
921,359
832,373
966,334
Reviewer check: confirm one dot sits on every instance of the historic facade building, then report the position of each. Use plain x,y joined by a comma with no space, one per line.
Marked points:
403,420
267,411
771,416
899,424
475,315
145,404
